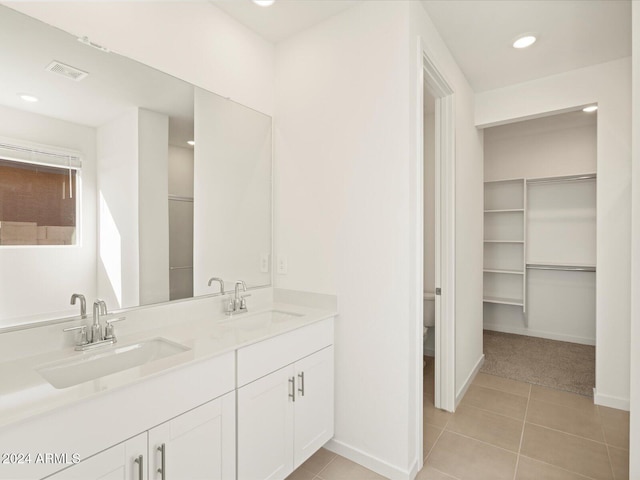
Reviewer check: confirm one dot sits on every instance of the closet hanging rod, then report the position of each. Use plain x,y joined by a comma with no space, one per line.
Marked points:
179,198
180,268
570,178
567,268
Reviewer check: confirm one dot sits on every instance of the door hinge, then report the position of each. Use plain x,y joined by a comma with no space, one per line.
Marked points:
438,291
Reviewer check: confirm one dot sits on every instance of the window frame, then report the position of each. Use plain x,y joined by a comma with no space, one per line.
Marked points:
20,151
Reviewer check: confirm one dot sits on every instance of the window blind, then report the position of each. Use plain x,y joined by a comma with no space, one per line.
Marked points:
20,151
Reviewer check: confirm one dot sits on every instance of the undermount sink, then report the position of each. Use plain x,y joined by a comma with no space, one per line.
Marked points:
66,373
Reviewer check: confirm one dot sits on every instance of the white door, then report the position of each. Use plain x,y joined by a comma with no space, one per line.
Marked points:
314,404
121,462
197,445
265,426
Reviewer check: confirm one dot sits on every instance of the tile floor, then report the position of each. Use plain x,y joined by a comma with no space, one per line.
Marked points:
505,429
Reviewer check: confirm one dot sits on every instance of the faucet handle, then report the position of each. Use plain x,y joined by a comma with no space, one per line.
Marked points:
243,302
109,331
83,334
230,306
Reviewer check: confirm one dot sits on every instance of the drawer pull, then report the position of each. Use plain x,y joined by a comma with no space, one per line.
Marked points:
140,462
292,395
163,455
301,387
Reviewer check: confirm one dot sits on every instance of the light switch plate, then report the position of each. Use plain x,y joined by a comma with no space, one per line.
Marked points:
282,266
264,263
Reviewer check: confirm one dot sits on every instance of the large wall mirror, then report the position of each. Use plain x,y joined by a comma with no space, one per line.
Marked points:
120,182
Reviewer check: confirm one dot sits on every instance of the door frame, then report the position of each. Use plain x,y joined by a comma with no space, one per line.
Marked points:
441,89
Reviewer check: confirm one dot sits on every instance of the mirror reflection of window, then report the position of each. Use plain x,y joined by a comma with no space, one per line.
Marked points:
38,204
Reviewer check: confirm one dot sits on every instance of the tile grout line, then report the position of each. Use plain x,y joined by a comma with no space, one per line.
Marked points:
567,433
503,391
424,460
524,422
558,467
445,473
604,436
483,442
492,412
335,455
531,385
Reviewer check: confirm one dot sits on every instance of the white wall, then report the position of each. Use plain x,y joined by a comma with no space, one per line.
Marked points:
634,447
608,85
346,202
54,272
193,40
342,211
153,204
545,147
118,208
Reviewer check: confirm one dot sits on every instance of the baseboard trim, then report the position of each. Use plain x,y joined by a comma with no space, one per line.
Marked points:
372,463
611,401
469,380
540,334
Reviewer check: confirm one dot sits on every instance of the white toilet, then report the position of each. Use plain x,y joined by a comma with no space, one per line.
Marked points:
429,321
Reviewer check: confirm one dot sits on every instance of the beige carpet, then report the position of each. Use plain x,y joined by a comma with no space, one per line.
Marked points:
560,365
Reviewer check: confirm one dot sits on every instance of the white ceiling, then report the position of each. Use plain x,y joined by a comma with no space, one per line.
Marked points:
285,17
571,34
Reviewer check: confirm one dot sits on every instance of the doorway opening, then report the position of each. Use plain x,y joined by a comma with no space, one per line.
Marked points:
540,251
435,244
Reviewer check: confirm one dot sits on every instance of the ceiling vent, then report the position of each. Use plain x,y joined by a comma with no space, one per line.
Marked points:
66,71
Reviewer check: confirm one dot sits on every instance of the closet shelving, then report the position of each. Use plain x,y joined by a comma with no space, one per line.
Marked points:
504,242
506,219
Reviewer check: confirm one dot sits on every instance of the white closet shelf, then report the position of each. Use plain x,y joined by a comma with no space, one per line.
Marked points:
504,241
505,210
510,272
504,301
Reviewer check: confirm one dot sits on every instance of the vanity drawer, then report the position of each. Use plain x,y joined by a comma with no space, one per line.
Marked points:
264,357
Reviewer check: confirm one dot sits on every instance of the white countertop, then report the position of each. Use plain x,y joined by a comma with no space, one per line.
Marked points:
24,393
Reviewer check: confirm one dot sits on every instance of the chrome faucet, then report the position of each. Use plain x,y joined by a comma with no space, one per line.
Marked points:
83,303
238,304
99,308
97,337
219,280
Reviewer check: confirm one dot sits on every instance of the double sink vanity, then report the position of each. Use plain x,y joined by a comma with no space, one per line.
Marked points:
193,394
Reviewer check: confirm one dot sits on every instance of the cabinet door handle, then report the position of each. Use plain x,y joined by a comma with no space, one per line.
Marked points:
140,462
301,387
292,395
163,455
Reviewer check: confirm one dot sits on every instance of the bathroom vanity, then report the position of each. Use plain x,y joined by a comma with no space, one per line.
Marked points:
247,396
171,188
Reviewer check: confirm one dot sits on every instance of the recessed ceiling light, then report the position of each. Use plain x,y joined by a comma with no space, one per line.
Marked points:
590,108
524,41
28,98
191,142
264,3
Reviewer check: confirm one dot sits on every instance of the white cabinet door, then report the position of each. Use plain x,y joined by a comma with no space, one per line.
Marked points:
265,426
314,404
120,462
197,445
